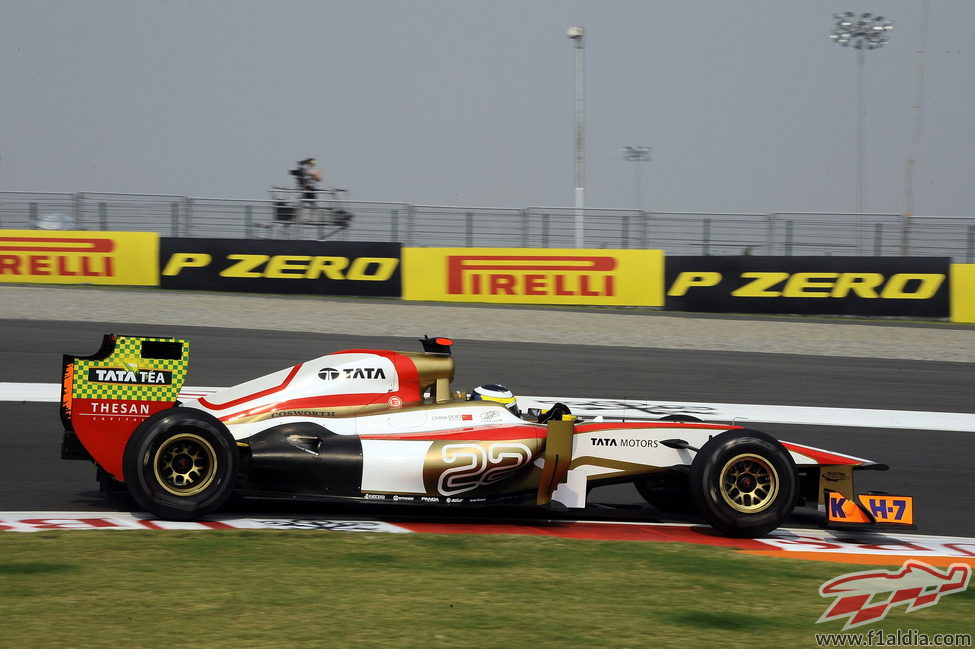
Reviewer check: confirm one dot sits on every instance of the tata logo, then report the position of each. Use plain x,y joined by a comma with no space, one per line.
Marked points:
330,373
129,376
604,441
531,275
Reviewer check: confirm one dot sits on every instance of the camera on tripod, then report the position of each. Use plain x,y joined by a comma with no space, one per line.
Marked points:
302,171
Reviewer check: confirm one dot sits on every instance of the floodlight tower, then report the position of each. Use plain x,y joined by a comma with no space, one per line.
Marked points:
575,33
869,32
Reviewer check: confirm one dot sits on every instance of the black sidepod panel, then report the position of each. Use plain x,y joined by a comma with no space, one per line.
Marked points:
305,458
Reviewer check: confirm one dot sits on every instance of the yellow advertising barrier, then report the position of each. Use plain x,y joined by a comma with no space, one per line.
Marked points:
963,292
529,276
79,257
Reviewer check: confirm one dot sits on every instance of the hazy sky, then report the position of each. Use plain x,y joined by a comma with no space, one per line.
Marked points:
748,105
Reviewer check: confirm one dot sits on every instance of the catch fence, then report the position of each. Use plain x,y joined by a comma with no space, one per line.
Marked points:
678,233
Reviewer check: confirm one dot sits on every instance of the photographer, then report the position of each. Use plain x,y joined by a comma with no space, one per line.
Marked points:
307,177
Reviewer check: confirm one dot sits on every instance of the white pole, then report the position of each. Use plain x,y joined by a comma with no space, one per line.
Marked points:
860,136
863,32
575,33
637,154
912,150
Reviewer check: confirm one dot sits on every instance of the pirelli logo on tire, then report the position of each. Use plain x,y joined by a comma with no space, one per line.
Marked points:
870,286
527,276
269,266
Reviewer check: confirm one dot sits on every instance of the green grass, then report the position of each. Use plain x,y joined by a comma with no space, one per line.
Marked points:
319,589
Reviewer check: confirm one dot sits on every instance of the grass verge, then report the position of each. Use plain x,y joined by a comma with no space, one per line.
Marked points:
273,589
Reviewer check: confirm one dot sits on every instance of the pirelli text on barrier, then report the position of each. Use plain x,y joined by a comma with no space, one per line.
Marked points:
525,276
79,257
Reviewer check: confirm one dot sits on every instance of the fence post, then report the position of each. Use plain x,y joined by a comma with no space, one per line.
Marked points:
970,248
645,229
878,239
78,207
770,235
524,228
410,223
469,229
174,218
301,215
394,225
545,230
188,216
625,243
706,237
103,215
906,236
248,221
789,225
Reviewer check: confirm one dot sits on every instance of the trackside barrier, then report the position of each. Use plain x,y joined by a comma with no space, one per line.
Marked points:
76,257
546,276
268,266
870,286
963,292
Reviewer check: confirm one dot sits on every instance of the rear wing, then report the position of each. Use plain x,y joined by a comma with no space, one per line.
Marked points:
105,396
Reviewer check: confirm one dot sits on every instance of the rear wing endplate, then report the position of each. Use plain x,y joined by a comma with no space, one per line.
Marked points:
106,395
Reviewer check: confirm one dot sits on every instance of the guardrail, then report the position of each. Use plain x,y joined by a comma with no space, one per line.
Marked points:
679,233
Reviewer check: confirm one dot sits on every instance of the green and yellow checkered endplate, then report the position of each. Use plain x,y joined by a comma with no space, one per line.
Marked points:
138,369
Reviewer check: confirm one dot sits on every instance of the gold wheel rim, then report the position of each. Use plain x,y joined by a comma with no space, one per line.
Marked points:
748,483
185,464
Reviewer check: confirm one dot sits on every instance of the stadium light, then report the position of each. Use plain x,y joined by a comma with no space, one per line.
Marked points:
863,32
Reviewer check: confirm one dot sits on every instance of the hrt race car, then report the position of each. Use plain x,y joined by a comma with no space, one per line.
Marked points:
378,425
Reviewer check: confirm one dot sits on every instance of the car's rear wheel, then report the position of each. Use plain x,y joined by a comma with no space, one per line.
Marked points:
744,483
181,464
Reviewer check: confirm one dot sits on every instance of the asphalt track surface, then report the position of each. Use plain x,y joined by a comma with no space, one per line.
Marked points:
934,467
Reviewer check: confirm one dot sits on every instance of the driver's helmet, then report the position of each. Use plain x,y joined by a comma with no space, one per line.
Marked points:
497,393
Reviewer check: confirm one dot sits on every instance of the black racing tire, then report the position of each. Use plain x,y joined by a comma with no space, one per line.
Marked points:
181,464
666,492
744,483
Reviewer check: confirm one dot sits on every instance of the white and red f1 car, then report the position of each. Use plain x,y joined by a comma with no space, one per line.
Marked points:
377,425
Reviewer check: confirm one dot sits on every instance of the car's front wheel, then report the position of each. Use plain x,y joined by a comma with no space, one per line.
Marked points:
181,464
744,483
